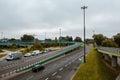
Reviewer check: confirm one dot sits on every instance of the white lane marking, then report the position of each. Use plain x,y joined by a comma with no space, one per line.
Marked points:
54,74
69,62
60,69
46,78
72,60
66,65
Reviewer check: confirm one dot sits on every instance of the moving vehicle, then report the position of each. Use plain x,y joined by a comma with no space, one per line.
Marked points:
36,52
13,56
37,68
48,49
27,55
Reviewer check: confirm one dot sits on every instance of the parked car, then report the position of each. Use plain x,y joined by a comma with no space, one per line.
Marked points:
27,55
37,68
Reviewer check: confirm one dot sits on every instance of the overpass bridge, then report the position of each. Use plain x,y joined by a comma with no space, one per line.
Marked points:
107,52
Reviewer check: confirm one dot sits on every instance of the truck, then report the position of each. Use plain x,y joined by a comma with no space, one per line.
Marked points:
14,55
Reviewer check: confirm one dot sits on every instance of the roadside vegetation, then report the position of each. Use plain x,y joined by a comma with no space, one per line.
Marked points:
1,50
2,55
55,48
94,69
102,40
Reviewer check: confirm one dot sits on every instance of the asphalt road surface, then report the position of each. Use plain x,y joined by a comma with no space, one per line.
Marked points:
59,69
9,66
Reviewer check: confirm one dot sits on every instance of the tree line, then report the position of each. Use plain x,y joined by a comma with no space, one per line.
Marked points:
102,40
67,38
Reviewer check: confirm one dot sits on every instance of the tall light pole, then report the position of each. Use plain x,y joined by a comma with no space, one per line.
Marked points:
45,37
60,38
84,7
93,39
1,35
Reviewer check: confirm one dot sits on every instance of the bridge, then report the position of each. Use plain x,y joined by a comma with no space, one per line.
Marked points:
107,52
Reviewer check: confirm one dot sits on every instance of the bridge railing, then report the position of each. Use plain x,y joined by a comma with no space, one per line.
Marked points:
110,49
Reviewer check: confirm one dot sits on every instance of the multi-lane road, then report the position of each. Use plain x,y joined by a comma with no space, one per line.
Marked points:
8,66
62,68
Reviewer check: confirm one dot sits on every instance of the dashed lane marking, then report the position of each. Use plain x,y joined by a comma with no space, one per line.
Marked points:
54,74
69,62
46,78
60,69
66,65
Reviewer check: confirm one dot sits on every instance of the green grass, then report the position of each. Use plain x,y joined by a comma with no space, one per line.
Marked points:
12,49
55,48
1,50
2,55
94,69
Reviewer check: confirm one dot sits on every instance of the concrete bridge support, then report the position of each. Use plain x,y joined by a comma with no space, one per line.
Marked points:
114,61
106,57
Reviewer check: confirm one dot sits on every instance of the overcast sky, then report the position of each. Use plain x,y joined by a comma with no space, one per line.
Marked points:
18,17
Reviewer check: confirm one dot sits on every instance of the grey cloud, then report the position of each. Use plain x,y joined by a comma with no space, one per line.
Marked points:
19,15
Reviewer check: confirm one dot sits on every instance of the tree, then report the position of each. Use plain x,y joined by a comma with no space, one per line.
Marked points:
12,39
55,43
62,39
13,46
27,38
48,40
37,46
109,43
78,39
98,38
55,40
117,39
69,38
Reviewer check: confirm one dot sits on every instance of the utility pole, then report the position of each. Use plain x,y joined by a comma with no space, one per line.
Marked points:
84,7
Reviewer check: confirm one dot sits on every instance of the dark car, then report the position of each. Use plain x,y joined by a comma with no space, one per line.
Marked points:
37,68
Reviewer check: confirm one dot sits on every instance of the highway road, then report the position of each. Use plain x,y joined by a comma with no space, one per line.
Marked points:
8,66
60,69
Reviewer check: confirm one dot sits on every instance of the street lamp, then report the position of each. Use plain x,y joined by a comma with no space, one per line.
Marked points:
60,38
84,7
45,37
1,35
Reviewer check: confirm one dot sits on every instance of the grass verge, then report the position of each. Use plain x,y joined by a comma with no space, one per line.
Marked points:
55,48
94,69
2,55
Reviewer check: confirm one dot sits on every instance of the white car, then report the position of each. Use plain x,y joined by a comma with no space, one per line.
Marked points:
36,52
27,55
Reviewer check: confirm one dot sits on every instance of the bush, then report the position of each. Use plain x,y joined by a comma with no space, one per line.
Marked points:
37,46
